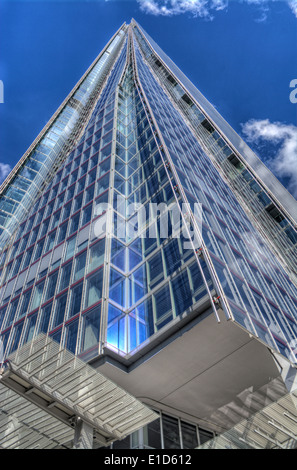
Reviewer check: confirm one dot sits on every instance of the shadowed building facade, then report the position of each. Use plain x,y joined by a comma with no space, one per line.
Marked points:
143,235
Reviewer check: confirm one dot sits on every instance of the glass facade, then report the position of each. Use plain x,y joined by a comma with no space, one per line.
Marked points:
166,432
102,250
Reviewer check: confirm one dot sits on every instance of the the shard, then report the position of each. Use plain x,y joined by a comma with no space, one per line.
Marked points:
142,234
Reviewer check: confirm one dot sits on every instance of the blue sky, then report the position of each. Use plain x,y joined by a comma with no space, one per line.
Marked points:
241,54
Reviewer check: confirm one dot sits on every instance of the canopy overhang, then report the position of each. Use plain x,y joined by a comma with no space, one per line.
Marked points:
43,387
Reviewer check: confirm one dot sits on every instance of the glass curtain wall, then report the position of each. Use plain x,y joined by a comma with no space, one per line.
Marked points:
153,278
239,254
61,278
54,271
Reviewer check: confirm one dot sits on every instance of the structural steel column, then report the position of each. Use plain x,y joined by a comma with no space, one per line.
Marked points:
83,435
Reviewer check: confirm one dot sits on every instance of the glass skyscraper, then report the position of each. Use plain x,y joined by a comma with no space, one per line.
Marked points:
142,234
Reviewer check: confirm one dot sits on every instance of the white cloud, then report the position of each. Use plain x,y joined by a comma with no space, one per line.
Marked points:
5,169
293,6
176,7
202,8
284,139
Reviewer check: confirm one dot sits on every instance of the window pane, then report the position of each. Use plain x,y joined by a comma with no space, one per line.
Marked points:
44,228
155,268
50,241
28,256
152,435
122,444
87,214
75,302
81,184
56,218
70,247
62,232
39,249
96,255
103,184
3,341
189,435
24,303
94,288
12,312
77,203
60,310
37,296
30,327
163,302
90,329
80,262
65,276
182,293
16,337
67,210
74,223
172,256
2,315
205,435
89,193
71,336
57,336
17,265
171,432
51,287
45,317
